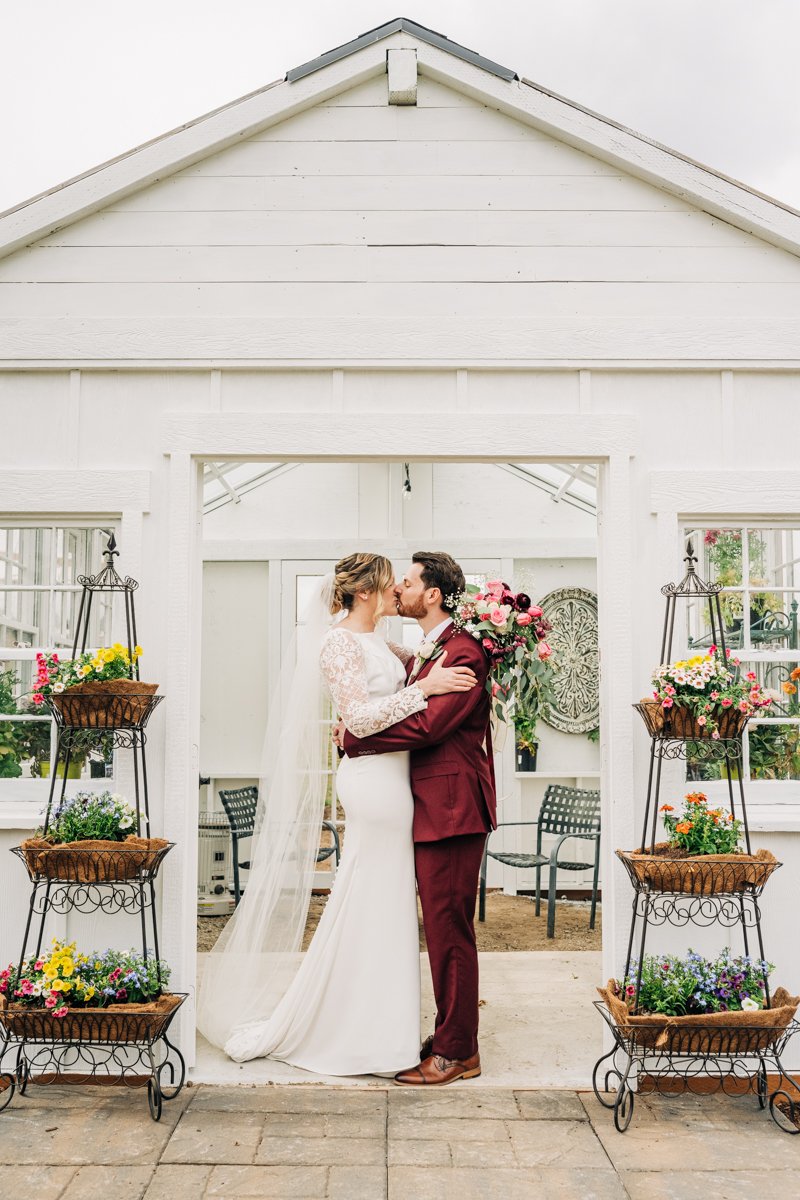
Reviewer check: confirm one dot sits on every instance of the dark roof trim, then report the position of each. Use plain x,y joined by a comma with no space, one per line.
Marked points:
404,25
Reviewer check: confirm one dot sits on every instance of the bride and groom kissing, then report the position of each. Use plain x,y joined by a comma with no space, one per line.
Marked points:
416,783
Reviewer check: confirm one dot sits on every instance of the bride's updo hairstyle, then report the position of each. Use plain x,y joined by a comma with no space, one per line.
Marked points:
360,573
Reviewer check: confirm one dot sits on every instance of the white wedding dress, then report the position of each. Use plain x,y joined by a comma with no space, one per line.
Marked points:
353,1008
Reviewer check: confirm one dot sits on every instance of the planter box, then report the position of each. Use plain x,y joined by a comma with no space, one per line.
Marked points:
93,861
117,1023
677,722
724,1033
526,757
105,703
670,870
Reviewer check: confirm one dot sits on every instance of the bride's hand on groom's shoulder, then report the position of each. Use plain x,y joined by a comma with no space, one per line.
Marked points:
441,679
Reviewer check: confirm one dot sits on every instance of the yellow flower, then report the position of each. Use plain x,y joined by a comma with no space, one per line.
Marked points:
84,670
137,650
118,647
68,967
108,656
57,985
87,995
66,986
49,974
97,966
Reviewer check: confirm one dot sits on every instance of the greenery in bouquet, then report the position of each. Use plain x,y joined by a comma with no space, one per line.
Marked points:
700,829
513,632
63,979
55,675
707,685
104,816
694,985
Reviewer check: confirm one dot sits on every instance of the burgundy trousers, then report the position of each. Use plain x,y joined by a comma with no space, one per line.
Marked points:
447,878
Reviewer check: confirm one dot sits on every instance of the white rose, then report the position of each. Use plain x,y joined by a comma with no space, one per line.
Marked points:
425,649
750,1005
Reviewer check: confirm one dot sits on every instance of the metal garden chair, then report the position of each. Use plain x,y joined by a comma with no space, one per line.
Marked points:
566,812
240,806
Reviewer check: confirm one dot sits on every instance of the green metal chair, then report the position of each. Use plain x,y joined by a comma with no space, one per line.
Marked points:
566,812
240,806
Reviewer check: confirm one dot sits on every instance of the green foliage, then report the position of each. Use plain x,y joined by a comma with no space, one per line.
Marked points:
9,730
677,987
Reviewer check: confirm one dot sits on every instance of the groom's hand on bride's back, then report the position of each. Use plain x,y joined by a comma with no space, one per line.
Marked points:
337,736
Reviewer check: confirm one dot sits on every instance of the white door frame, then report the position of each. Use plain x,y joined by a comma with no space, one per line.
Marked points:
190,438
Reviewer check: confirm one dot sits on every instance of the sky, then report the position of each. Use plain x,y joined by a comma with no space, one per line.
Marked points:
715,79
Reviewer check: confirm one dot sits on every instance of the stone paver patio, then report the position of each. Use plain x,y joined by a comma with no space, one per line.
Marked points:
460,1143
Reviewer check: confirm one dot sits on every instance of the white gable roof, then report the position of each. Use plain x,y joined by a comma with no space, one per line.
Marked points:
442,60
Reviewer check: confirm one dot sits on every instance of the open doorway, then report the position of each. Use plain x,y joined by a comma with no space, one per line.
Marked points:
271,530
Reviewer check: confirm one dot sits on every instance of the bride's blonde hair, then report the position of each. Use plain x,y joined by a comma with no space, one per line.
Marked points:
360,573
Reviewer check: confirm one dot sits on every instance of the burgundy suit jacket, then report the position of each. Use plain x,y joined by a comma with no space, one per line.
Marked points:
452,775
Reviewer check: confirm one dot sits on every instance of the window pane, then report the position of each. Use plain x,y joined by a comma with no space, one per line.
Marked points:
774,620
774,555
774,751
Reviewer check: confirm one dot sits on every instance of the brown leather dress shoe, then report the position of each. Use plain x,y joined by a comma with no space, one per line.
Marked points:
437,1071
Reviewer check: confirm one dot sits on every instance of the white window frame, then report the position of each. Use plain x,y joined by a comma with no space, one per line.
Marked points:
95,498
723,499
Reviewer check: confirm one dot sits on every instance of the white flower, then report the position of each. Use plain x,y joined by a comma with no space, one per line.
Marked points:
126,821
425,650
58,687
750,1005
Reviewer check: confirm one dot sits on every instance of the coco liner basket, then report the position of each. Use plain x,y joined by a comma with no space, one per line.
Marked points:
105,703
721,1033
677,722
669,869
117,1023
93,860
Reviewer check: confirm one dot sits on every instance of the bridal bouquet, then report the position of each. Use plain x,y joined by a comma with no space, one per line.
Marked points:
513,632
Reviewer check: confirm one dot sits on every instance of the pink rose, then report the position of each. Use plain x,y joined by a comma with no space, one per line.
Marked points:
495,585
497,616
524,618
544,651
487,644
535,611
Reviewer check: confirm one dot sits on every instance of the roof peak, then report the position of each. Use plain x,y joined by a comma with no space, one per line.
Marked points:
400,25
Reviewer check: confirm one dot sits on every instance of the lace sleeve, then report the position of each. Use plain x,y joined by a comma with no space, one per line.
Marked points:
401,652
342,663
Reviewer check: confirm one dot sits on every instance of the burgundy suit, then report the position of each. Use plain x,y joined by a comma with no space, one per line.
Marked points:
452,781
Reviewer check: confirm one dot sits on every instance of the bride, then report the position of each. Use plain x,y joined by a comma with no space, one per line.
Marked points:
350,1005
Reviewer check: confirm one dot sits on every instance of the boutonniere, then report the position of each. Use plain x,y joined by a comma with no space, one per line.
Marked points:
426,652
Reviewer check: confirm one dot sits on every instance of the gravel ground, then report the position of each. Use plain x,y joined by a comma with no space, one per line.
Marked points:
510,925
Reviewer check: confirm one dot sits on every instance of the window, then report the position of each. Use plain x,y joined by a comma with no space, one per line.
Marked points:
39,604
759,568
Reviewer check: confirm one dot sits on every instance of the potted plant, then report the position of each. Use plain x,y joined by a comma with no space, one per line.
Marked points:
96,690
702,857
92,839
67,996
702,697
527,746
695,1005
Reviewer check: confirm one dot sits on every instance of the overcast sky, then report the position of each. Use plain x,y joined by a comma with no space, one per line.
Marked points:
715,79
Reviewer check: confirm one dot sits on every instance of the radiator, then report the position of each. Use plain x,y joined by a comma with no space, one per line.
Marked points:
214,866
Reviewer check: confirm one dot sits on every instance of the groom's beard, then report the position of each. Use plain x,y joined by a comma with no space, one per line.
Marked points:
415,609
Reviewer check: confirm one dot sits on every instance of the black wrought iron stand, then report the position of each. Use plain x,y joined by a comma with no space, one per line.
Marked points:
134,1047
709,1058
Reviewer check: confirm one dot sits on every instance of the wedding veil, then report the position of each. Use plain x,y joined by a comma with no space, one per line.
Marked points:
258,952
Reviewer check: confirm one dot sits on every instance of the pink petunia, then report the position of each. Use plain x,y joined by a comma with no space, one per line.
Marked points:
60,1012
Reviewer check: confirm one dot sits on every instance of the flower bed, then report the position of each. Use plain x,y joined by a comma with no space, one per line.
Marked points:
699,1006
102,996
93,860
702,697
668,869
116,1023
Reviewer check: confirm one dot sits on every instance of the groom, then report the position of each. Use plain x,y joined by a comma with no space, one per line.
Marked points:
452,781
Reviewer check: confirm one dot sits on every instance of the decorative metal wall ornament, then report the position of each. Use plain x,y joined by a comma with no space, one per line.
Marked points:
572,612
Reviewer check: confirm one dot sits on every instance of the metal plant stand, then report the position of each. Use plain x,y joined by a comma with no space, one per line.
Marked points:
713,1057
131,1046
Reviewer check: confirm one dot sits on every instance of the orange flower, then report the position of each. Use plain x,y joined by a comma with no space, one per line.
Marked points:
697,798
795,673
666,808
684,827
789,688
